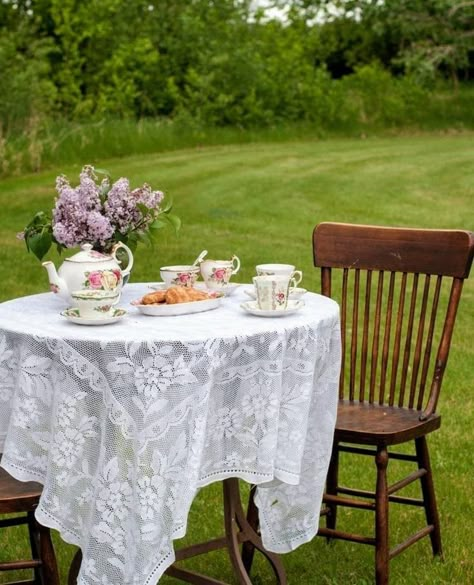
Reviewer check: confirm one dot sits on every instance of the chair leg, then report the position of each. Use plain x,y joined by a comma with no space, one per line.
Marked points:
49,567
34,537
331,487
381,518
429,498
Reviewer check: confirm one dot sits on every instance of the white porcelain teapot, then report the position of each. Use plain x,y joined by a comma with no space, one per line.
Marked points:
88,270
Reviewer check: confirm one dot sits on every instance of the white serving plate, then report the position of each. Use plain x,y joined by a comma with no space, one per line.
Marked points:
113,316
252,308
295,294
165,310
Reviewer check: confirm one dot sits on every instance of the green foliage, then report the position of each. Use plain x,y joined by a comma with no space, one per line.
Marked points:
26,90
74,73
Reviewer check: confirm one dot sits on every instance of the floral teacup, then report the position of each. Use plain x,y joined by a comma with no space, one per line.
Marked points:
217,273
280,270
179,275
273,291
95,304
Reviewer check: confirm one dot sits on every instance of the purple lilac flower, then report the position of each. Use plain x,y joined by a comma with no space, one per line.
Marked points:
77,216
122,206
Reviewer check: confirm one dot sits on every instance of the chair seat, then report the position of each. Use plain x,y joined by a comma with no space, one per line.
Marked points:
375,424
17,496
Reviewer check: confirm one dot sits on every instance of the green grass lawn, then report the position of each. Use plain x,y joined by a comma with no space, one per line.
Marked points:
261,202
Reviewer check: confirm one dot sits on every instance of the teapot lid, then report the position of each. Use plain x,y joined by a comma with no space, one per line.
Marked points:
87,254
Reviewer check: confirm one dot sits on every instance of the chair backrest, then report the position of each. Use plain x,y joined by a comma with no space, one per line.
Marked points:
399,290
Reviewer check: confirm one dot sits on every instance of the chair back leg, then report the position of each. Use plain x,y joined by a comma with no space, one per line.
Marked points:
429,498
381,518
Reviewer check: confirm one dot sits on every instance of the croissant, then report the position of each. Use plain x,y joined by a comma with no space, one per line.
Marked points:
181,294
154,298
174,295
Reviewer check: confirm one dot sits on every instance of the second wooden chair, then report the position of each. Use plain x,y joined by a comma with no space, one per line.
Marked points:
397,323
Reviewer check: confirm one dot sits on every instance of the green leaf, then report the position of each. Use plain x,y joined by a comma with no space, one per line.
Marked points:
175,221
158,224
168,204
103,172
144,210
40,243
144,238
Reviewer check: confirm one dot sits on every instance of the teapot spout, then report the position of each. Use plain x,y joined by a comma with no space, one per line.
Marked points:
56,284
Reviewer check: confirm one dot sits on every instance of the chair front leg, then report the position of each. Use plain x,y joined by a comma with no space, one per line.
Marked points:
34,541
381,518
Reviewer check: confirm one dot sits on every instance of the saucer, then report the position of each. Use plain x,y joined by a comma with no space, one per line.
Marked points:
252,308
227,290
112,316
296,294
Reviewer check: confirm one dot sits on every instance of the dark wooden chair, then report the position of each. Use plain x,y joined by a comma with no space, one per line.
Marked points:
23,497
399,291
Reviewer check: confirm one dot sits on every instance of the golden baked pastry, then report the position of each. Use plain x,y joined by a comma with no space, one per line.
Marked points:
174,295
154,298
181,294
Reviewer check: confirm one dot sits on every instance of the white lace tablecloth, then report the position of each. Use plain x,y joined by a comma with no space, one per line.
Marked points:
124,423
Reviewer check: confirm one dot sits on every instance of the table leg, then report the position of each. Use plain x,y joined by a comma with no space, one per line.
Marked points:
74,568
239,530
248,550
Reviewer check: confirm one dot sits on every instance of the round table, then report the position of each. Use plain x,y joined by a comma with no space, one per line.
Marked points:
123,423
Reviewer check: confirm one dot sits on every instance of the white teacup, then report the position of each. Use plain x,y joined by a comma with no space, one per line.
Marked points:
95,304
273,291
179,275
217,273
280,270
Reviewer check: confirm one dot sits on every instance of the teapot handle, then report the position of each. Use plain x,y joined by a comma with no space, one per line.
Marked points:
125,271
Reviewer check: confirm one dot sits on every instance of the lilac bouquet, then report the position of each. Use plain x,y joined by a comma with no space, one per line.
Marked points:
100,213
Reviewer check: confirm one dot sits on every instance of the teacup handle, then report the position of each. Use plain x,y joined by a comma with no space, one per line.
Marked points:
125,271
235,264
296,277
292,285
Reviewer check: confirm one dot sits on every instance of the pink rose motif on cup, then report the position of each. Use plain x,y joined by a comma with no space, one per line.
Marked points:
220,275
184,279
280,298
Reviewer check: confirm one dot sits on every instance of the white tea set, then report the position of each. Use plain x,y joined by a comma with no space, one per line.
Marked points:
91,282
275,291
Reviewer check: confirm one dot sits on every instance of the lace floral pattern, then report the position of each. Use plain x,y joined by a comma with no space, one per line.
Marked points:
123,432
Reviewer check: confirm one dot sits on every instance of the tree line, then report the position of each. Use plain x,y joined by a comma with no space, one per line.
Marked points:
225,62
